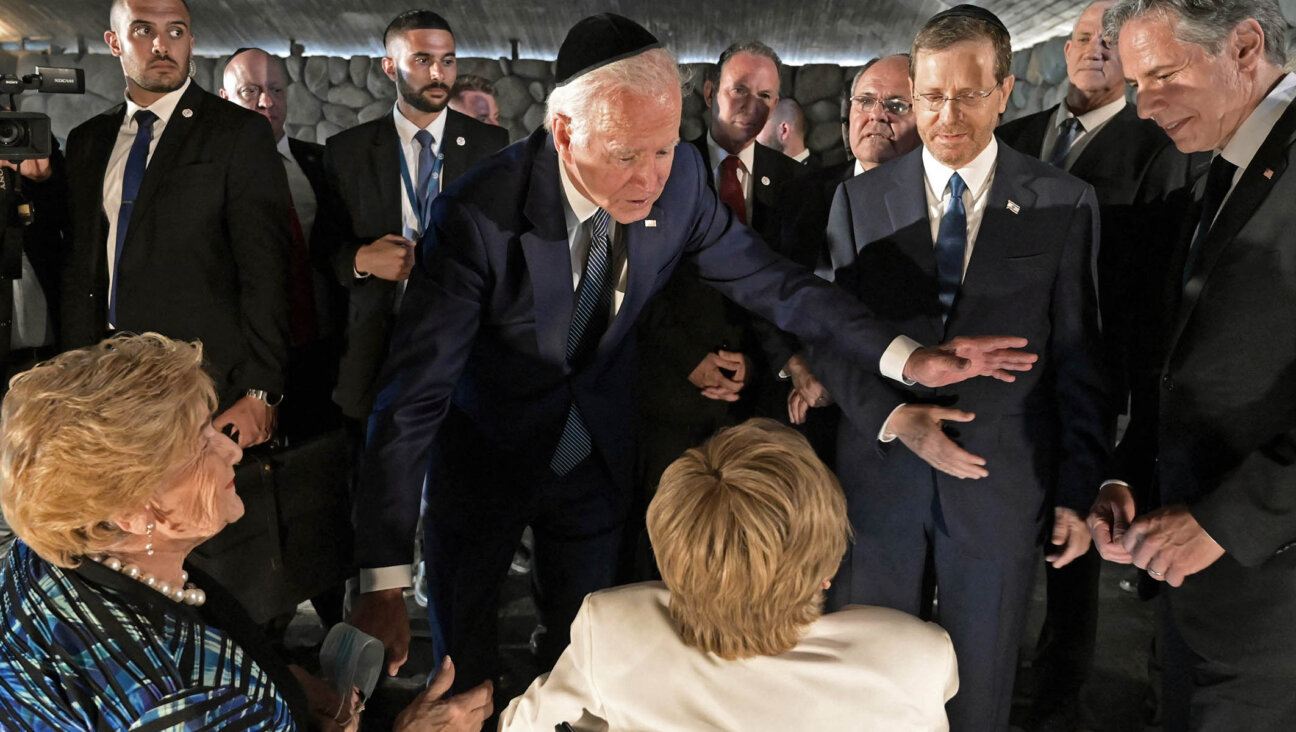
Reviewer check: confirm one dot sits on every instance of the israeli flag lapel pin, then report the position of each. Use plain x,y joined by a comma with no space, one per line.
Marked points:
1013,207
650,223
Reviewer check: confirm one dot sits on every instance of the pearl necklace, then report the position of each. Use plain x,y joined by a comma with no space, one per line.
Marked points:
188,594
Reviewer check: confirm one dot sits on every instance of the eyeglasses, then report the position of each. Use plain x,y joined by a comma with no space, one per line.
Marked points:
967,100
894,105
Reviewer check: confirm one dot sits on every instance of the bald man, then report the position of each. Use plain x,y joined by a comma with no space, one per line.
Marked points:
785,131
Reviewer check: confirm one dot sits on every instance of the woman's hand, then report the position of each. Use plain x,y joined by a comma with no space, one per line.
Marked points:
326,707
465,712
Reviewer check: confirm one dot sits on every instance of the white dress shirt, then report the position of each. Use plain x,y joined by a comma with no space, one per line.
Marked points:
164,107
303,196
1090,123
748,157
802,156
410,148
978,174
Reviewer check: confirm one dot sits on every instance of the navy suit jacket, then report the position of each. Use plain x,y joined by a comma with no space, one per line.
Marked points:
1030,274
479,346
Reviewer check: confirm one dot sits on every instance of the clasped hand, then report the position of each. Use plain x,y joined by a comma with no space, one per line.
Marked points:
1167,542
710,376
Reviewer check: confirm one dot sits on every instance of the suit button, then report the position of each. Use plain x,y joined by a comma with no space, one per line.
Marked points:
1168,383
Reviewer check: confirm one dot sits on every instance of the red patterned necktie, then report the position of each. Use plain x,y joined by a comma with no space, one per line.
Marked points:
731,190
301,287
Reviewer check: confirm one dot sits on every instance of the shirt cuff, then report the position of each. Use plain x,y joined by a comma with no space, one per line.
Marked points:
883,435
1113,481
385,578
896,356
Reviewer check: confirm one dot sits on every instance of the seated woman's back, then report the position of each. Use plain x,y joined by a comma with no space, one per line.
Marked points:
627,669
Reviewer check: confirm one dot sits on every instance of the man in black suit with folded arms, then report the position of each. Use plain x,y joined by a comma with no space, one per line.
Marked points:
967,235
1141,182
179,214
381,175
1206,496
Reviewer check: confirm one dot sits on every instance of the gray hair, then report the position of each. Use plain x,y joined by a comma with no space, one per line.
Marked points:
653,73
1205,23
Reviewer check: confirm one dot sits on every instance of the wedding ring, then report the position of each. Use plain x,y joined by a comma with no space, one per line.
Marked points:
1155,573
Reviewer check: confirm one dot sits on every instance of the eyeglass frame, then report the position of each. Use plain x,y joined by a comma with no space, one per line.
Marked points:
969,99
887,104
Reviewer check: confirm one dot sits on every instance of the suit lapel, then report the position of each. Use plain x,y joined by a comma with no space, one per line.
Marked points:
910,227
1108,140
1252,188
644,249
456,152
548,253
701,144
174,135
385,172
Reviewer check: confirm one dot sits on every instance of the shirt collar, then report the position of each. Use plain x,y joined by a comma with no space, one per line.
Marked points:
577,204
406,129
1094,118
164,107
1255,128
974,174
747,155
859,167
282,147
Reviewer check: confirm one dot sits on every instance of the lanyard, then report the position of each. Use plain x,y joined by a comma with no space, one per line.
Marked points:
422,209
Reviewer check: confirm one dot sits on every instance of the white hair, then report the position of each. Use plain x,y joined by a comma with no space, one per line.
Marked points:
653,74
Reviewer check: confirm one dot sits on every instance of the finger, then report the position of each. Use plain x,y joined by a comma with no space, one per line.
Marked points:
987,344
1001,375
720,395
442,681
952,415
477,697
1011,358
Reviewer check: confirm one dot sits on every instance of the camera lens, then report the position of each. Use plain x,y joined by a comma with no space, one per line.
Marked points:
11,132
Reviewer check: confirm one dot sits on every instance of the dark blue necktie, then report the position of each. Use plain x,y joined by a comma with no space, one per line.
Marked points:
951,245
589,320
1218,181
1071,128
136,163
426,189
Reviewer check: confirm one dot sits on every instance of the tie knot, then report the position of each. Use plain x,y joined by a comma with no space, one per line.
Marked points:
145,118
957,186
732,164
1071,124
1221,170
423,138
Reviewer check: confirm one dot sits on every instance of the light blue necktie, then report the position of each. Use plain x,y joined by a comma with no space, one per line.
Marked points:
589,320
951,246
136,163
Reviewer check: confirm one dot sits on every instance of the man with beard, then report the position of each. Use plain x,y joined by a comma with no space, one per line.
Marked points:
179,216
382,177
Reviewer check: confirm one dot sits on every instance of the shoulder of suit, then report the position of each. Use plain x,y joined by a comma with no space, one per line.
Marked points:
460,124
298,146
629,603
775,165
363,133
1014,129
872,626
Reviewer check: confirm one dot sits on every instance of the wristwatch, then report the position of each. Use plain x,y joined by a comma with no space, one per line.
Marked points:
265,396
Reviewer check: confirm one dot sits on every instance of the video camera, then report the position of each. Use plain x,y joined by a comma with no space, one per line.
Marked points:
26,135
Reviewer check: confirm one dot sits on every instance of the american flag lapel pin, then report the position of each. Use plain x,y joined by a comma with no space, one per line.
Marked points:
1268,174
650,223
1013,207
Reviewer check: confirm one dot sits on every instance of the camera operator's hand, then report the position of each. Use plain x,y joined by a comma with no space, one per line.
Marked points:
38,170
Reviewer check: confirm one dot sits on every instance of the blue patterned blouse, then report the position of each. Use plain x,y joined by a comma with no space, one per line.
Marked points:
90,649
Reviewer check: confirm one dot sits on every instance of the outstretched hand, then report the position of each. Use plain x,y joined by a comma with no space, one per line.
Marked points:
964,357
918,426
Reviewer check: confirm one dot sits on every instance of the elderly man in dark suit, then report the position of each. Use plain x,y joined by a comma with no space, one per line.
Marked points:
511,361
968,236
1208,485
382,177
1142,185
179,216
879,127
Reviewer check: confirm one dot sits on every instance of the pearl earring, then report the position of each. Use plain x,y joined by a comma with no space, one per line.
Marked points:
148,548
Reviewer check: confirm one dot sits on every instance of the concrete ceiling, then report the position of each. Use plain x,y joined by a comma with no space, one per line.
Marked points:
802,31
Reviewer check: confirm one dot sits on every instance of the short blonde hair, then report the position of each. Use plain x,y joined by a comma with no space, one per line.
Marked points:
95,433
745,529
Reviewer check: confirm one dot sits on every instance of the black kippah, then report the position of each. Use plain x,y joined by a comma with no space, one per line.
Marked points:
599,40
970,11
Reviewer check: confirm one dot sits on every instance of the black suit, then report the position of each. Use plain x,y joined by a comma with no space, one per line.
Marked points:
207,249
1224,443
1141,182
1043,437
362,166
684,322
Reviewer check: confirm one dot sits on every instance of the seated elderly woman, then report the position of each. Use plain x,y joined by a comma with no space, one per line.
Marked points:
747,529
110,474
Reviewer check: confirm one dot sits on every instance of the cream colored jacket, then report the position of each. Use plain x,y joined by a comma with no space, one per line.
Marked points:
626,670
